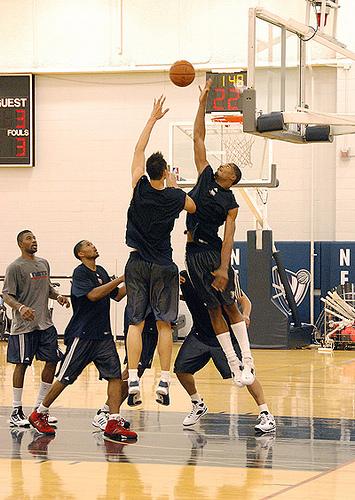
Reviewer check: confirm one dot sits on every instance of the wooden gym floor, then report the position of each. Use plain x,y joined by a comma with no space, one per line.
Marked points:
312,456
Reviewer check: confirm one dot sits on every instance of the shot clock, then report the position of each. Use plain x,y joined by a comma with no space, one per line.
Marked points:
226,91
16,121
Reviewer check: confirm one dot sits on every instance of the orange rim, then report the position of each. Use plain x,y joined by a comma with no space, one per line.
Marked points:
228,119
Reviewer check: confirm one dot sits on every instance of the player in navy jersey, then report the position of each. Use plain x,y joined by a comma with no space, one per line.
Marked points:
151,276
207,256
88,338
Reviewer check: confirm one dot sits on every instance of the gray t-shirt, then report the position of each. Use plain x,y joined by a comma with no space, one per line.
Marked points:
28,281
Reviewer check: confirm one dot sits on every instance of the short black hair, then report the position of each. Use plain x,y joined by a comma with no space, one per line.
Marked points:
21,234
237,172
156,165
77,248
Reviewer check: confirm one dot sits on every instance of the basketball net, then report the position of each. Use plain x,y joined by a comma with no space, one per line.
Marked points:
236,144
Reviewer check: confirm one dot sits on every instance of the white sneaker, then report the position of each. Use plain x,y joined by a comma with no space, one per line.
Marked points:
162,393
18,418
236,370
100,419
198,410
134,393
248,371
266,423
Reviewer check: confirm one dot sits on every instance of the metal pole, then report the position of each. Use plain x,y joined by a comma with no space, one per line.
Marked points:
283,70
251,48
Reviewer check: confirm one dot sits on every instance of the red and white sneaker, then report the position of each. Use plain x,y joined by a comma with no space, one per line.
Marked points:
115,431
40,422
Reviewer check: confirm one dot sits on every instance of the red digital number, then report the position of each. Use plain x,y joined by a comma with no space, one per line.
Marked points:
21,146
219,99
21,118
233,101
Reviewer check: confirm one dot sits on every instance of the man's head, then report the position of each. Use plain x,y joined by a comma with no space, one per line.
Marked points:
156,167
229,174
84,249
26,240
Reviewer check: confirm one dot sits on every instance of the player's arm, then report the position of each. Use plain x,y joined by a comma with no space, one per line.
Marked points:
27,313
122,292
221,274
138,163
9,294
200,130
102,291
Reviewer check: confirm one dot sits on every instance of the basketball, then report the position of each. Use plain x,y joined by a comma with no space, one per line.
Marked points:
182,73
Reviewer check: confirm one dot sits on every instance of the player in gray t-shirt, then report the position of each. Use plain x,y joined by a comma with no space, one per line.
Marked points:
26,290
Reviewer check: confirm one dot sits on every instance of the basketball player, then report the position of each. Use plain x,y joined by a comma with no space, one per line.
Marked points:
26,290
88,338
151,276
207,256
201,345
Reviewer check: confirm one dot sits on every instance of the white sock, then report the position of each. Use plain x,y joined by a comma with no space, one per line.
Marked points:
226,343
17,395
42,393
196,397
42,409
165,376
263,407
114,416
133,373
105,408
241,333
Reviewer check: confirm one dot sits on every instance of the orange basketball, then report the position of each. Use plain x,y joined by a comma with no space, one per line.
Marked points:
182,73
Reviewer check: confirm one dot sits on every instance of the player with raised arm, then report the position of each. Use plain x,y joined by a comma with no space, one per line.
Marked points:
151,276
207,256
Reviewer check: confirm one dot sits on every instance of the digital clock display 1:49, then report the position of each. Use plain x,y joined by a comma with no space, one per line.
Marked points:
226,91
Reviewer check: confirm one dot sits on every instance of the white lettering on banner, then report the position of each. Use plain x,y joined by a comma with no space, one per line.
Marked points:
235,257
344,277
344,257
13,102
18,132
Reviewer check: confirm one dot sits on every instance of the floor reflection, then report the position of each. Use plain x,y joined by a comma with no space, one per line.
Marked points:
218,440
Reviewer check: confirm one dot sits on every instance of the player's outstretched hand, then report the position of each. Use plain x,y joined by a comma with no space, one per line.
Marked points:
204,92
220,280
158,111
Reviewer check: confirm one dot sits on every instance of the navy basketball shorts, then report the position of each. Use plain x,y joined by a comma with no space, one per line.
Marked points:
151,288
43,344
194,355
80,353
200,266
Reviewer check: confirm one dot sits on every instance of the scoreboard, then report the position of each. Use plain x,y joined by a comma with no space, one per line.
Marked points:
226,92
16,120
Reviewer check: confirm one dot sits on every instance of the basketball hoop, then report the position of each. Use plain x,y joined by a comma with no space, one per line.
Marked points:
228,118
235,142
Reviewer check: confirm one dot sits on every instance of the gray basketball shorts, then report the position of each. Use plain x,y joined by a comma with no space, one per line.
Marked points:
151,288
200,266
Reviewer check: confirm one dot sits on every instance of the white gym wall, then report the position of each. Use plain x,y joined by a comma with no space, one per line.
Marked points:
99,65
